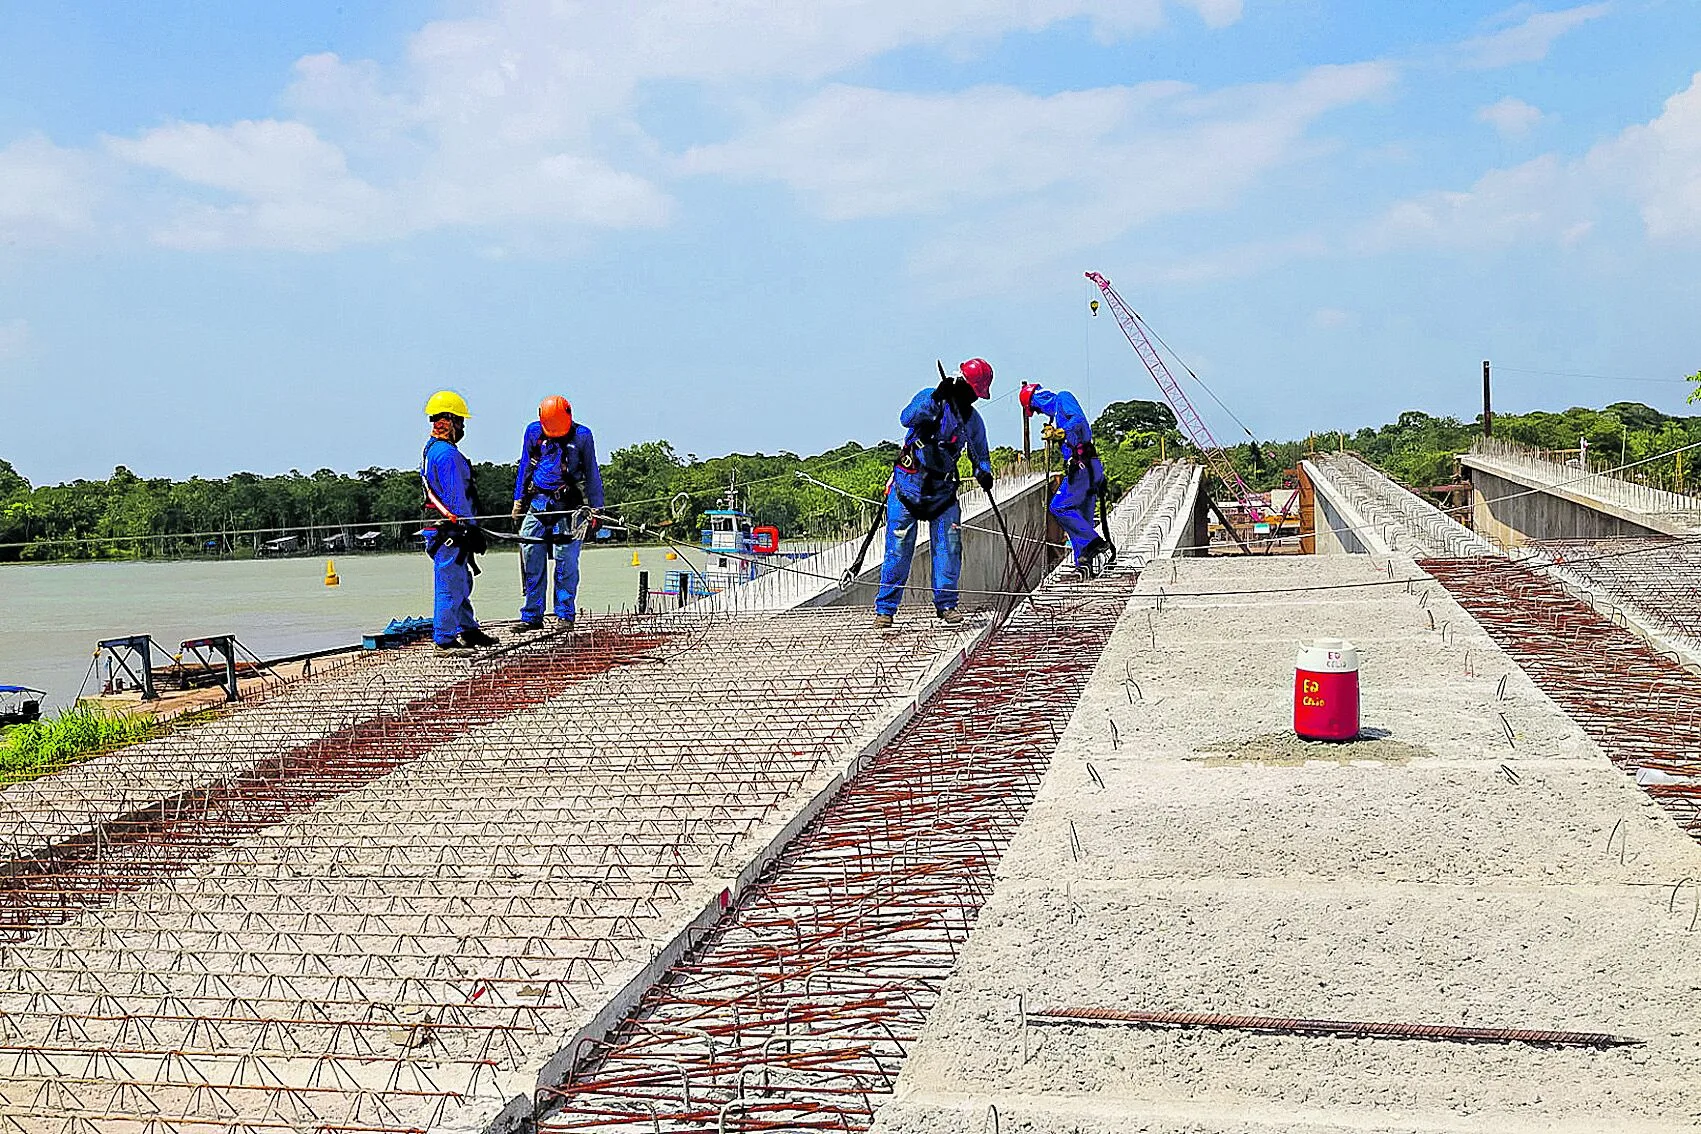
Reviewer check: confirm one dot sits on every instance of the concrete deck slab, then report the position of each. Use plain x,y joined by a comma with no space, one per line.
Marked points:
1463,879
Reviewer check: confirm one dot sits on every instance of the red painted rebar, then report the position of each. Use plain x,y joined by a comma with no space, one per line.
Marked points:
797,1010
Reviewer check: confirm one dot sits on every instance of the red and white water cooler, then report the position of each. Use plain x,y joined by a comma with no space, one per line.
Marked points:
1325,690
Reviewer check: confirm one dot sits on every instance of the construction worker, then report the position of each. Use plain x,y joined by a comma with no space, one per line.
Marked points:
557,481
941,422
1083,473
452,535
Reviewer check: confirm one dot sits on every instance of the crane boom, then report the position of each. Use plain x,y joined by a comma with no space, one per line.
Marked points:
1185,414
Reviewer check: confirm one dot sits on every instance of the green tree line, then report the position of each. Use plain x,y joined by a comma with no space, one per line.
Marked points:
126,516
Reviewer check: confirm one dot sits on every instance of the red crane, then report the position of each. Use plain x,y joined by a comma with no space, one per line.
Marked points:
1185,414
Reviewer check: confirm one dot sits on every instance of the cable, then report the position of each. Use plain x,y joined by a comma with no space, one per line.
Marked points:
1600,377
1147,327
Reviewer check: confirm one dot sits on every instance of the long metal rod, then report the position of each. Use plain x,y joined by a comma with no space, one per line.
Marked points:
1343,1029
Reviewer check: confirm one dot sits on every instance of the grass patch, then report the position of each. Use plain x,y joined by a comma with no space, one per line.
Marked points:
45,746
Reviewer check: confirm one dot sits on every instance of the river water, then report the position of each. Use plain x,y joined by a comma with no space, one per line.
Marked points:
51,615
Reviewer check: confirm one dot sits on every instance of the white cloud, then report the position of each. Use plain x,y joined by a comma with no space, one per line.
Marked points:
1655,167
1528,41
524,115
1658,165
1332,318
15,339
1032,179
46,193
1512,117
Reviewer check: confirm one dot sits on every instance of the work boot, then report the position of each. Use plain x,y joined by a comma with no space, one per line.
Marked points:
531,626
476,637
952,617
567,625
882,621
453,648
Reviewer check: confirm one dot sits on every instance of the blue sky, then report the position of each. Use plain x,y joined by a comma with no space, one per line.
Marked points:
257,236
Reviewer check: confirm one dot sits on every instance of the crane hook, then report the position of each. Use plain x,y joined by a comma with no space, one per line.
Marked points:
1095,306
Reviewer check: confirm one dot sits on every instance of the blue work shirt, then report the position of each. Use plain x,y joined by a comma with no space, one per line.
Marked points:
953,433
554,462
449,476
1066,412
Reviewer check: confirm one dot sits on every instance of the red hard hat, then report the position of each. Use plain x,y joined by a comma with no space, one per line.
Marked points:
555,413
1026,397
977,372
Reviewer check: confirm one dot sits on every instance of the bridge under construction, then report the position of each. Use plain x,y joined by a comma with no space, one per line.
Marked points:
749,866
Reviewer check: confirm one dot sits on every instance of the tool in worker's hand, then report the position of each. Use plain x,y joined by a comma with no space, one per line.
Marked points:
1009,543
855,568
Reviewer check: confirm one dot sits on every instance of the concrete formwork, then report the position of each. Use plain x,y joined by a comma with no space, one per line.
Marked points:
1480,863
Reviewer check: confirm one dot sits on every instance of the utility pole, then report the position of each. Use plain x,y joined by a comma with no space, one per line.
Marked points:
1487,409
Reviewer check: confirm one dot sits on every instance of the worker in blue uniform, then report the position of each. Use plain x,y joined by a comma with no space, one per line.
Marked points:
1083,473
452,535
557,478
941,423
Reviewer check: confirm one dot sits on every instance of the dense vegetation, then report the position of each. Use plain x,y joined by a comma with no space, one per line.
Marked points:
126,515
40,747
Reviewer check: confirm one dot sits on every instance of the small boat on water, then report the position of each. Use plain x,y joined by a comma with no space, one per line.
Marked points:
19,704
735,550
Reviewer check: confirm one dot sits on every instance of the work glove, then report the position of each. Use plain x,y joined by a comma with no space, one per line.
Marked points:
942,392
519,509
984,479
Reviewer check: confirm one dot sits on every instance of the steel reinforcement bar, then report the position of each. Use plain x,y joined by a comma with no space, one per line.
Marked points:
1632,700
796,1011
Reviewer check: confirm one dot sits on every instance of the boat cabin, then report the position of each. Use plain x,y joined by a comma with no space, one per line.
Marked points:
19,704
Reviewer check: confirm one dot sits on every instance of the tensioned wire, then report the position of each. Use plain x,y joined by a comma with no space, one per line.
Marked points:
792,567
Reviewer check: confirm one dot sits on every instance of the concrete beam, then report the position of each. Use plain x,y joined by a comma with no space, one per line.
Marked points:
1341,527
1506,509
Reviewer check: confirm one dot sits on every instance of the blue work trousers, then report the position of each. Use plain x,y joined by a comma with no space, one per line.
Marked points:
451,598
1072,504
946,533
541,520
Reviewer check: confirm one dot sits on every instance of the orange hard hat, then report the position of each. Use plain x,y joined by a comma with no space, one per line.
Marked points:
555,413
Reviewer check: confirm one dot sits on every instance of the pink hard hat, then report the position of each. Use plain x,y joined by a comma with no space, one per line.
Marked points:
977,372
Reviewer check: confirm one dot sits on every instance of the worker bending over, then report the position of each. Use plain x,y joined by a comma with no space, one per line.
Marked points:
558,478
452,535
1083,473
941,422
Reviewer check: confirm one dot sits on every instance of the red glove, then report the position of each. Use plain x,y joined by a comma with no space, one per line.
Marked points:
1026,397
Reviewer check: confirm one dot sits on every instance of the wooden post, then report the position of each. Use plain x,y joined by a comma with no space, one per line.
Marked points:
1027,437
1487,408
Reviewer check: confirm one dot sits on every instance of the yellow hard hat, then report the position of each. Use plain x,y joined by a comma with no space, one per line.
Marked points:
446,401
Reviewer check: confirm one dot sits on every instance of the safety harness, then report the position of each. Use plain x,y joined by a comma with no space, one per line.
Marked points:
447,528
937,468
567,502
